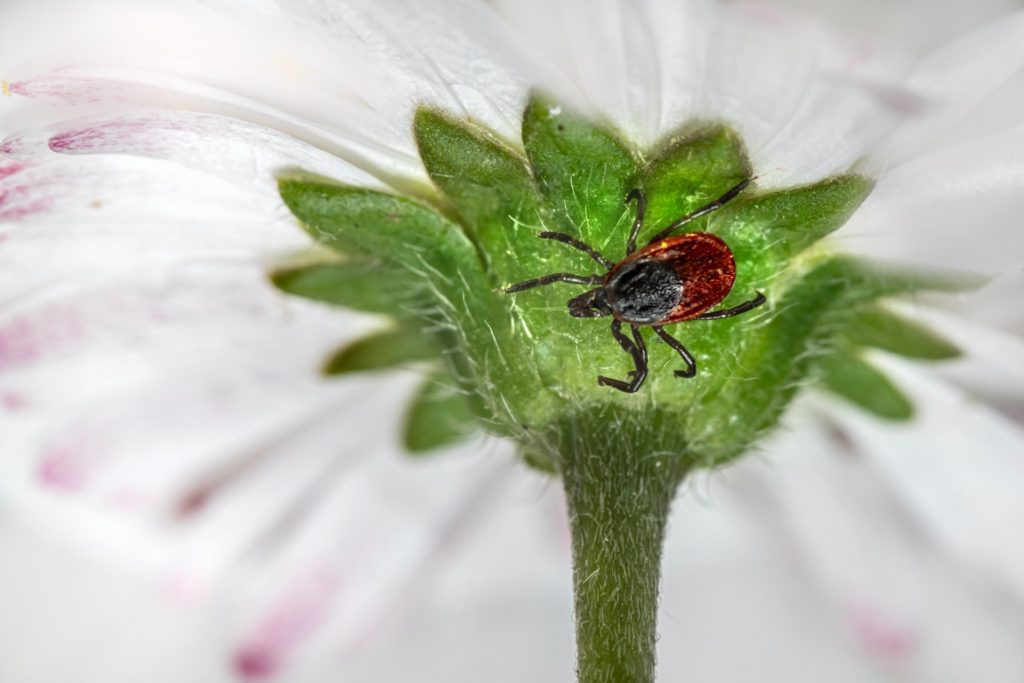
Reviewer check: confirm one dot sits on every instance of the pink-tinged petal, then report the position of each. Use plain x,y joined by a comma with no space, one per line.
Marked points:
102,218
957,77
18,200
244,153
369,552
758,557
859,550
294,615
366,139
955,208
883,637
9,168
266,487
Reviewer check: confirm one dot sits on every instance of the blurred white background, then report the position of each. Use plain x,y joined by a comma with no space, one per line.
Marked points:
71,613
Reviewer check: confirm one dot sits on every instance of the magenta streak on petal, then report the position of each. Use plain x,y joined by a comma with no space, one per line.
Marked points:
73,140
137,135
882,638
10,168
58,89
18,344
127,500
62,468
196,497
24,339
13,401
184,589
107,137
297,613
12,209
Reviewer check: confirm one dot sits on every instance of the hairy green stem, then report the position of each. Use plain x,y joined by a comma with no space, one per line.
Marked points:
619,500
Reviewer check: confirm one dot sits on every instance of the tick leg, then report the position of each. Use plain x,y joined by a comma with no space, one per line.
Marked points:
579,244
555,277
636,348
691,364
735,310
702,211
641,209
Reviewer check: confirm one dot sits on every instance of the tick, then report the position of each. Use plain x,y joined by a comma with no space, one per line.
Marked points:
670,280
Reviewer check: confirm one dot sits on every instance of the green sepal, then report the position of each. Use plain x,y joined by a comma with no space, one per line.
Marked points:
539,459
697,166
777,225
398,347
363,285
878,279
771,359
428,246
393,229
881,329
488,184
583,171
438,416
858,382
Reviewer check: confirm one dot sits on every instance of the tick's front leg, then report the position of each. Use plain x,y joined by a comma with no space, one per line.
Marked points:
555,277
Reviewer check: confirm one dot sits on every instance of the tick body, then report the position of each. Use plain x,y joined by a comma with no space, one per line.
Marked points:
671,280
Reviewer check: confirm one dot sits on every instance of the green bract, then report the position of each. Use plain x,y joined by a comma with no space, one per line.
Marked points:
520,366
521,361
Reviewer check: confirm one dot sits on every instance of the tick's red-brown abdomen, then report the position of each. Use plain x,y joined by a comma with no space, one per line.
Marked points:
704,264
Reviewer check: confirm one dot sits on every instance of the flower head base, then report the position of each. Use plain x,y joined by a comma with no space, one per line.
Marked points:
521,366
522,363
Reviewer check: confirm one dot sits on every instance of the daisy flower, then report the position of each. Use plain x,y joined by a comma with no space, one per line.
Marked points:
253,255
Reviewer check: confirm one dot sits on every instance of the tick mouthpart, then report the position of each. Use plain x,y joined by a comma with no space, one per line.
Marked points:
592,304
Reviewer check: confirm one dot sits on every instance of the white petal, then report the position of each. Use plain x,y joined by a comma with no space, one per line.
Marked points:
992,365
366,560
808,101
957,468
638,63
234,150
957,77
955,208
343,127
459,56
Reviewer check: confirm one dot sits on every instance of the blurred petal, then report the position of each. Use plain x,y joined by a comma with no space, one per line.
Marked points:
808,101
992,369
955,208
352,132
959,473
957,77
459,56
147,365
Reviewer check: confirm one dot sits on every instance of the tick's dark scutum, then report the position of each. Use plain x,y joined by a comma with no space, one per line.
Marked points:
644,291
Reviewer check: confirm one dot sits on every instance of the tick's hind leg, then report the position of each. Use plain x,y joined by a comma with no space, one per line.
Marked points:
691,364
735,310
634,347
